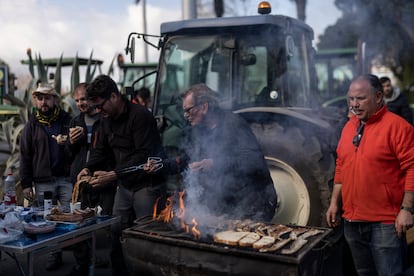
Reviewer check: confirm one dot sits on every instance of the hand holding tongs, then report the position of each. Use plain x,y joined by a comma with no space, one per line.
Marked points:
153,165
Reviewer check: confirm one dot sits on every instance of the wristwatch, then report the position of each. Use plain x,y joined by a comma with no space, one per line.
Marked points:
411,210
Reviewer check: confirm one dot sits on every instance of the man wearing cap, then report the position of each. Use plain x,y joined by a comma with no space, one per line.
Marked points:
42,159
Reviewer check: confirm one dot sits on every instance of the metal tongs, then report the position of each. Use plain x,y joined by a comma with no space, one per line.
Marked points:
156,162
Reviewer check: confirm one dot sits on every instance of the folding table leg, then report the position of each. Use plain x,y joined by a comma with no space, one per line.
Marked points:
30,259
93,254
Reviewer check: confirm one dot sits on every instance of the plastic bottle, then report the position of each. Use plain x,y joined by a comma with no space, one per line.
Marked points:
10,190
47,202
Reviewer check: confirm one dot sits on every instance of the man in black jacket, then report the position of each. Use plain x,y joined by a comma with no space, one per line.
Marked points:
83,130
225,172
42,160
396,101
128,135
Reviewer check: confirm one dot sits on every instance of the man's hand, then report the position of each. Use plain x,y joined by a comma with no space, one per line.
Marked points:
28,194
75,134
83,172
203,165
102,178
403,222
60,139
331,216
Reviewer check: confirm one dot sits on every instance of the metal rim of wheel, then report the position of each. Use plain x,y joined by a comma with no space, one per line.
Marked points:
293,196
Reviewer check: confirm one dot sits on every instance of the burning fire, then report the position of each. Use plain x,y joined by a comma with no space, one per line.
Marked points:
168,213
196,232
181,211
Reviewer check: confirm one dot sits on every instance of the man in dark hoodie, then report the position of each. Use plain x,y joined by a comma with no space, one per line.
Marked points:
42,160
396,101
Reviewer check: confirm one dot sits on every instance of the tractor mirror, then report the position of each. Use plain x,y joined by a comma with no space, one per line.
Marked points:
132,50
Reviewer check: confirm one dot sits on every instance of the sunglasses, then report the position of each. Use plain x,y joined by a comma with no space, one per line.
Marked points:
358,136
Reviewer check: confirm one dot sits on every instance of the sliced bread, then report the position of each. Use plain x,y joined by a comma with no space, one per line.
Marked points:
249,239
229,237
265,241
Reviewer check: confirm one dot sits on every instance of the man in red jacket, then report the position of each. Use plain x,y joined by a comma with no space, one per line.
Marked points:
374,178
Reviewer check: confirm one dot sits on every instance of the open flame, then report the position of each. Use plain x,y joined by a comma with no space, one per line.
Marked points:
168,213
181,211
196,232
154,213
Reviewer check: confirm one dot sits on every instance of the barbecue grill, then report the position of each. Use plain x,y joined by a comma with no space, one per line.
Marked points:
156,248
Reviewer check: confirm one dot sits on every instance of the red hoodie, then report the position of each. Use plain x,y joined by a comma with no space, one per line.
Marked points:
375,174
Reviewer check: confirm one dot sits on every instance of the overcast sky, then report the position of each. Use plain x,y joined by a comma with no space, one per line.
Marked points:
53,27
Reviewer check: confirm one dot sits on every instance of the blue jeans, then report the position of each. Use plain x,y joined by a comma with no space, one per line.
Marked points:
376,248
61,187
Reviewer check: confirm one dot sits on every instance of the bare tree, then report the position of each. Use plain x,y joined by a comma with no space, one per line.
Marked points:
300,9
205,8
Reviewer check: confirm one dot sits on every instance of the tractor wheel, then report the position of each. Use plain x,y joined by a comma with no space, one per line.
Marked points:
301,171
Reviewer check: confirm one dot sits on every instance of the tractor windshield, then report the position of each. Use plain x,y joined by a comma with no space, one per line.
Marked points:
248,70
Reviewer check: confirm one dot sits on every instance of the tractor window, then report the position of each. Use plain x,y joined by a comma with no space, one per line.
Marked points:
253,74
298,77
191,60
272,71
187,61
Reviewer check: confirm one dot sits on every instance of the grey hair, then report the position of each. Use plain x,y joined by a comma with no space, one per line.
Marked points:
202,94
374,81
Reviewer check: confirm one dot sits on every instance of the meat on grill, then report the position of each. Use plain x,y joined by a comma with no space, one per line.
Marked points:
264,237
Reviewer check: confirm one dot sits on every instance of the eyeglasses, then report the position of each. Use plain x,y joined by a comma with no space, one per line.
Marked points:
188,109
99,106
358,136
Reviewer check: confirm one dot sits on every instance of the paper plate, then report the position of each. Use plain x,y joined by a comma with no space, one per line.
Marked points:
40,227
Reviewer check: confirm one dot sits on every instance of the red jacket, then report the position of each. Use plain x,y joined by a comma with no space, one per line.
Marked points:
375,174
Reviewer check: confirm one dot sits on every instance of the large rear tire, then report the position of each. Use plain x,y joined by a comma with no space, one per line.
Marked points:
301,170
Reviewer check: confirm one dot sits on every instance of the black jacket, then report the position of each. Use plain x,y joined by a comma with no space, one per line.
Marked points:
129,140
239,184
36,164
77,153
400,106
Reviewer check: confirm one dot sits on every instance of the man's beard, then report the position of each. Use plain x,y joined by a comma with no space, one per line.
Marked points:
47,112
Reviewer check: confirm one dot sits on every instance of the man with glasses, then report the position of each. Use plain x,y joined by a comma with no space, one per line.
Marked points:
128,135
374,180
42,160
83,130
225,170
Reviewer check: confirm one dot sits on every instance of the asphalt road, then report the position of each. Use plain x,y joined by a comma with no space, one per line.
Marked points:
9,267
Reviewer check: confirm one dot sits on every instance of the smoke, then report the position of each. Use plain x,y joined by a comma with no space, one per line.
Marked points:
236,186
